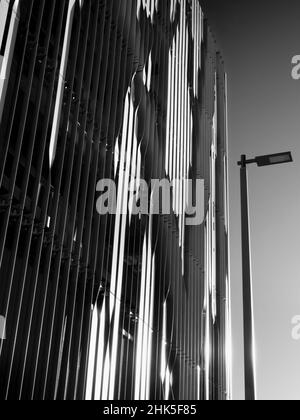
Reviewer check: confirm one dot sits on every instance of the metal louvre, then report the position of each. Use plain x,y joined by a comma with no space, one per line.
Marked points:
119,306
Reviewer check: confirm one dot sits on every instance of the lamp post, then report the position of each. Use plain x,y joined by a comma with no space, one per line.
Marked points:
280,158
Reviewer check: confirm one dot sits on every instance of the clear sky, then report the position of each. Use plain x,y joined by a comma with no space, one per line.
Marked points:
258,39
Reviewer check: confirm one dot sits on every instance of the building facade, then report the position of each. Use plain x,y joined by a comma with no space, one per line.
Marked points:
120,305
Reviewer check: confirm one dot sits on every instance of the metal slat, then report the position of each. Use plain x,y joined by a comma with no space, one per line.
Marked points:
72,167
45,244
71,278
17,287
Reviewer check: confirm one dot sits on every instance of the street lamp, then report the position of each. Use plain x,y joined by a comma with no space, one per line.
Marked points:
279,158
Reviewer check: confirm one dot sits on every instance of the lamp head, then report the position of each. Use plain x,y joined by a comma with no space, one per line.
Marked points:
276,159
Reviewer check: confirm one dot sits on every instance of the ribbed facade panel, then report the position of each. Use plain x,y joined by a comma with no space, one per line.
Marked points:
124,305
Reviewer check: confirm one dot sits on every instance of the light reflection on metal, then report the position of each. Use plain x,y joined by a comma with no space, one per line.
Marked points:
116,306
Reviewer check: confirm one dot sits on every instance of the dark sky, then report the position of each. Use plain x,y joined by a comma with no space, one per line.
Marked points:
258,40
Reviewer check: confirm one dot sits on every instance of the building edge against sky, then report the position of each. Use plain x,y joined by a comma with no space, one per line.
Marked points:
116,306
